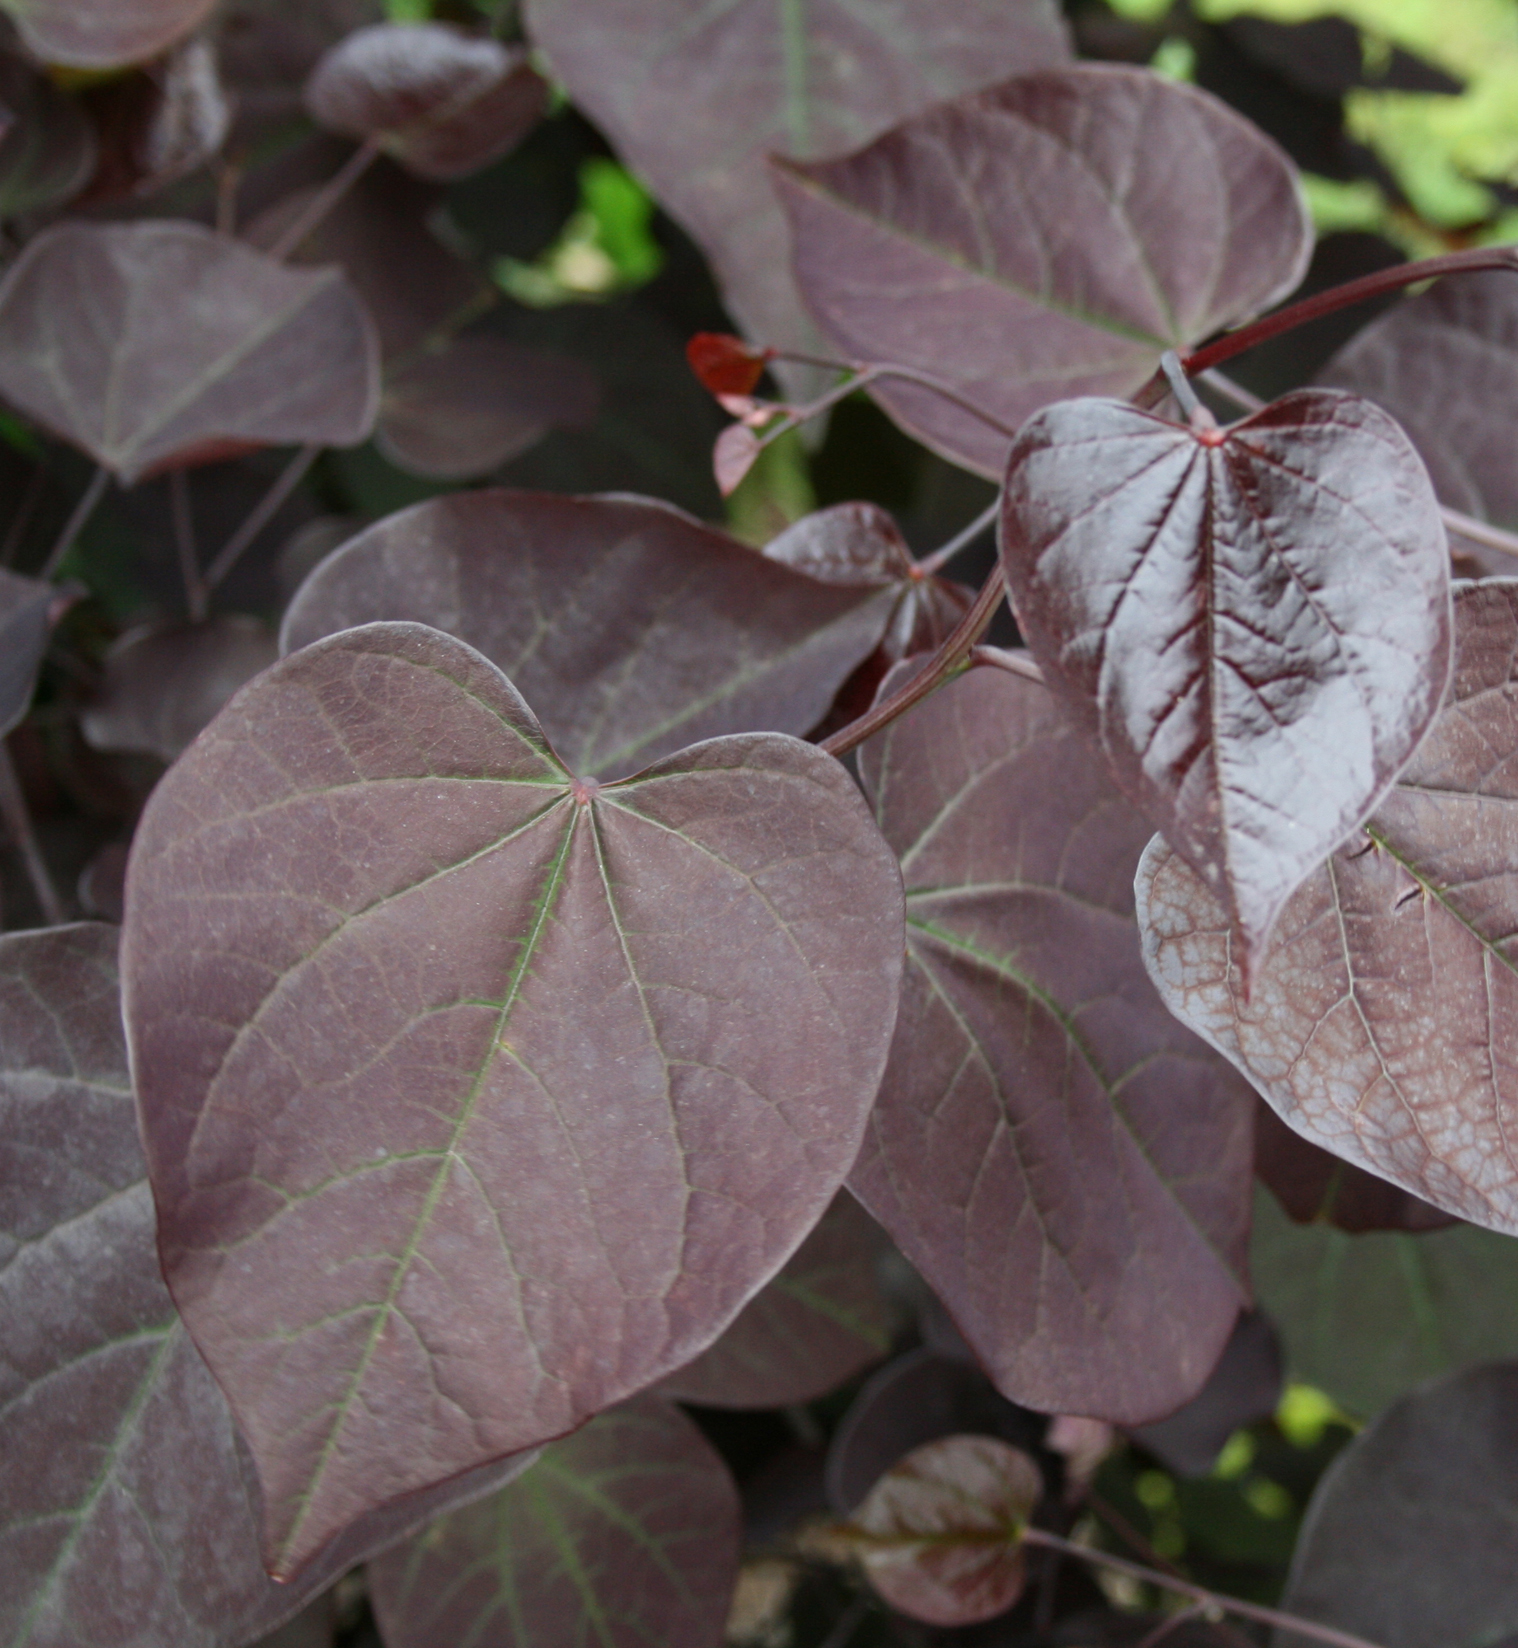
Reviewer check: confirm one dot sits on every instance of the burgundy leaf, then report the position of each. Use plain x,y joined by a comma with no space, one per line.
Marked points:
625,1534
1065,1166
247,351
127,1516
1256,622
1408,1536
1314,1186
725,365
28,610
163,682
478,402
47,151
443,102
1381,1022
1368,1318
103,34
916,1399
613,1050
1445,365
632,628
1049,238
943,1529
1242,1389
822,1320
409,282
696,97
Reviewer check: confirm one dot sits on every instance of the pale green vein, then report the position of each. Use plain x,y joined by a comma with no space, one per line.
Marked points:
793,48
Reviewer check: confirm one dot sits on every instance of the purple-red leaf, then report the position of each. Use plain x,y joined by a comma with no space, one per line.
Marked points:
103,34
1381,1023
473,1091
1068,1168
478,402
28,610
1408,1537
443,102
823,1319
625,1534
940,1535
127,1514
47,151
726,365
248,350
1255,622
696,97
631,628
1052,237
162,683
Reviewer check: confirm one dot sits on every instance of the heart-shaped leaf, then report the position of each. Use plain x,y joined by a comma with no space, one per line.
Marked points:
613,1050
630,627
625,1534
1406,1541
823,1319
1067,1168
696,97
48,150
103,34
443,102
1051,237
248,351
127,1514
1367,1318
28,610
479,402
942,1529
1256,622
1381,1023
1458,333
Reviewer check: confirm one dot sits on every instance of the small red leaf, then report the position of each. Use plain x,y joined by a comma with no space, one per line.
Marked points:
725,365
736,452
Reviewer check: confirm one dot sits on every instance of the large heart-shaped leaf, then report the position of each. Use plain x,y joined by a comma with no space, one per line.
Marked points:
1066,1167
443,102
631,628
612,1049
625,1534
249,350
103,34
1256,622
822,1320
1368,1317
696,96
1408,1539
127,1514
1052,237
1381,1024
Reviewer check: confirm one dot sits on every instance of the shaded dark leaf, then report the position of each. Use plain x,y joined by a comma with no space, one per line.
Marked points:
1255,622
625,1534
304,550
631,627
613,1048
1052,237
944,1529
1316,1187
103,34
47,152
126,1514
1380,1025
163,683
248,351
102,884
823,1319
1067,1168
725,365
1366,1318
311,1628
466,409
916,1399
1445,365
1408,1537
28,610
1243,1388
443,102
695,99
